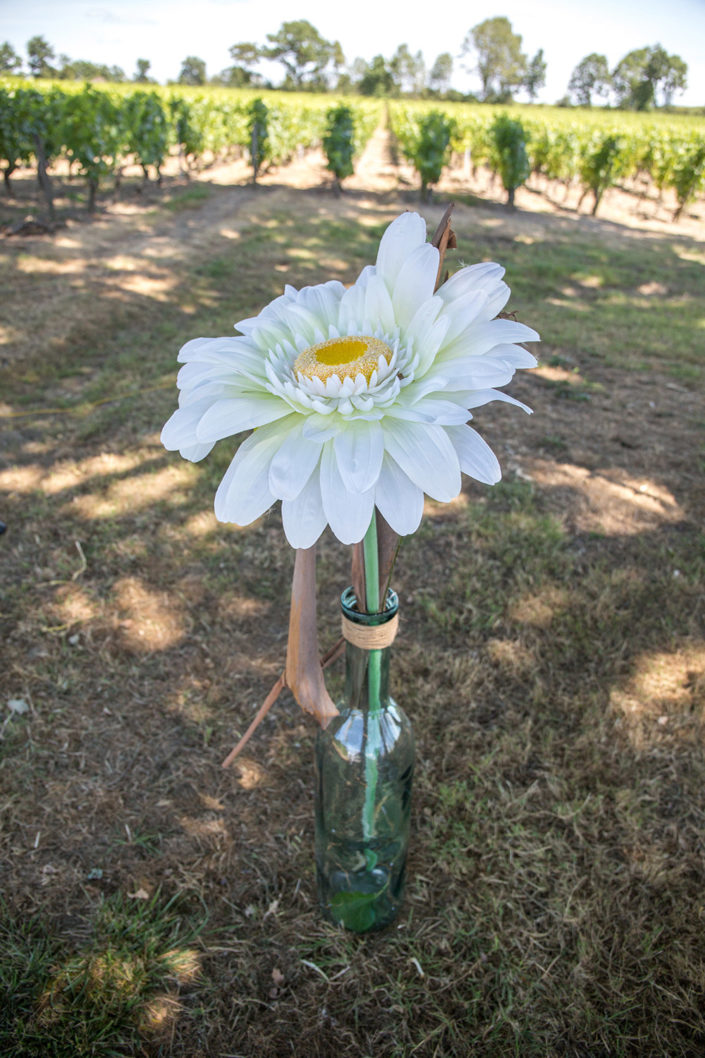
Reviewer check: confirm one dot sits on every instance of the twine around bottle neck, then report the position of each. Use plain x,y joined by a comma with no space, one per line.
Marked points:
370,637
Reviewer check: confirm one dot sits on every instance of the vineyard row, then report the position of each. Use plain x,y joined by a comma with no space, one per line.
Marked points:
98,129
597,149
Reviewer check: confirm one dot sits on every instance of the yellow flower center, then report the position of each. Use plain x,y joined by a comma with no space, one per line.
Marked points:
344,357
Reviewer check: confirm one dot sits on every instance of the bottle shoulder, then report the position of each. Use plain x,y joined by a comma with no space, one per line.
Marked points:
348,733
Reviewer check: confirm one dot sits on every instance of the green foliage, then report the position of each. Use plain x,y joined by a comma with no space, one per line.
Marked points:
39,56
10,61
602,165
408,70
141,75
188,131
591,75
244,55
508,155
15,142
642,73
258,128
441,73
146,128
29,117
689,175
568,145
429,149
339,141
303,53
92,135
535,76
83,70
193,71
501,63
377,79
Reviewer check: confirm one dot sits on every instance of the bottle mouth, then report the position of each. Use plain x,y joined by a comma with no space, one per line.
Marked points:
348,602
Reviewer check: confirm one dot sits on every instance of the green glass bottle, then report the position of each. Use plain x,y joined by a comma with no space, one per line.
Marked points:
364,771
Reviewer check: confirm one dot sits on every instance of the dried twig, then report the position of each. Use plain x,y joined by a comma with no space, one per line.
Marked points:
443,239
331,655
304,675
259,717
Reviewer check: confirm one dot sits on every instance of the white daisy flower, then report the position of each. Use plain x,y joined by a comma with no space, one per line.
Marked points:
356,398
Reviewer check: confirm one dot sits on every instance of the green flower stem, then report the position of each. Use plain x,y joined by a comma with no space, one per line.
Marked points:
371,553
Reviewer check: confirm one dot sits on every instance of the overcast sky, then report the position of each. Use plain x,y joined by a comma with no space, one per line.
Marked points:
118,32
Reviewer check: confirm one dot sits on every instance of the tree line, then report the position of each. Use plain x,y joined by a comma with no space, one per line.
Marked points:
644,78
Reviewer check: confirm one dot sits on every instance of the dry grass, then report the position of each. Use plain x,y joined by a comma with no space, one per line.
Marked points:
551,657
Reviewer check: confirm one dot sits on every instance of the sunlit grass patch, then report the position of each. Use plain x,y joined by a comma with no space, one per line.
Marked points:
122,987
190,197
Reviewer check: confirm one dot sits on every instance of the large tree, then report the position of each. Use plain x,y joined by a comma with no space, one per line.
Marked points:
409,70
441,73
499,59
141,74
590,76
245,56
193,71
39,56
377,79
535,76
304,53
10,61
669,73
642,73
85,70
676,80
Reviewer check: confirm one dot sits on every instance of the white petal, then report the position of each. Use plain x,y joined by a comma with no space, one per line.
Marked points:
304,518
364,277
484,277
235,414
515,355
478,372
207,349
476,398
244,493
463,314
323,300
179,431
359,449
398,499
425,455
415,282
352,309
321,427
426,332
348,514
295,318
224,358
196,452
476,457
293,465
378,304
496,300
399,241
197,373
432,410
211,390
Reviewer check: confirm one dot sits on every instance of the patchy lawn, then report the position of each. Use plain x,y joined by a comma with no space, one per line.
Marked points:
552,659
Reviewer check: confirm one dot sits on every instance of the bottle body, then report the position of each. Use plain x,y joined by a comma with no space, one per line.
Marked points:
364,773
